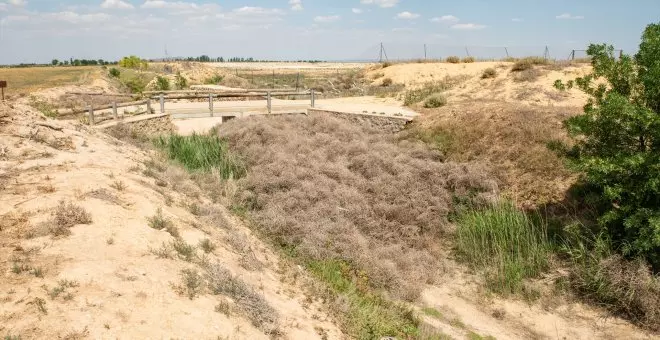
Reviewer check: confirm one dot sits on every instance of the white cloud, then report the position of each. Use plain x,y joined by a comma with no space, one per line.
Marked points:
568,16
517,20
296,5
407,15
327,19
446,18
467,27
116,4
380,3
19,3
169,4
356,10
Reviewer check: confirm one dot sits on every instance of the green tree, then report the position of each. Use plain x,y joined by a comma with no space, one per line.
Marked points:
133,62
114,72
55,62
162,83
181,82
617,144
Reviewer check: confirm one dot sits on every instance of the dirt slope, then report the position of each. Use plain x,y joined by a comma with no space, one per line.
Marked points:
104,279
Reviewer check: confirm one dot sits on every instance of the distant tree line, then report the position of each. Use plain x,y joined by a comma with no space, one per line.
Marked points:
81,62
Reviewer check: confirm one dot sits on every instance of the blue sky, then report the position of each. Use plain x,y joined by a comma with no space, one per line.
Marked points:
39,30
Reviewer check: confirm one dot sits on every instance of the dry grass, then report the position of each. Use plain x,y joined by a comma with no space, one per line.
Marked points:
255,307
327,190
491,132
67,215
528,75
28,80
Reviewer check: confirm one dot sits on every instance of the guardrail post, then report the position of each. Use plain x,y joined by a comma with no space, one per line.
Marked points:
162,103
114,110
91,115
313,95
269,102
149,106
211,103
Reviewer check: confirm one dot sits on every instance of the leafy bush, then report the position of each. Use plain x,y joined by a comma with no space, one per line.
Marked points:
489,73
617,144
435,100
136,84
203,152
215,80
453,60
114,72
506,243
468,60
181,82
162,83
133,62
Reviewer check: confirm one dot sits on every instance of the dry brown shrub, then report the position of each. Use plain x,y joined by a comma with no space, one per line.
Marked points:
492,133
529,75
68,215
335,190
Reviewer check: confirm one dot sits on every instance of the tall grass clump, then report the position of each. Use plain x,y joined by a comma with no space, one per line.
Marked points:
418,95
203,153
506,243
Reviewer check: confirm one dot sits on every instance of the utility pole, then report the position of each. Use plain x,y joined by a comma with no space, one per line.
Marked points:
546,53
382,54
467,51
424,51
506,50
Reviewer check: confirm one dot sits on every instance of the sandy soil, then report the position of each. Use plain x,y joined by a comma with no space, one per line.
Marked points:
290,66
122,290
503,87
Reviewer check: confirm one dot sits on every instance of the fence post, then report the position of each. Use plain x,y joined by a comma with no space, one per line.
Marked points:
91,115
211,103
162,103
313,95
149,106
268,102
114,110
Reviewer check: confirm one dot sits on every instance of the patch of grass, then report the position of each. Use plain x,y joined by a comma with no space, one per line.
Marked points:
46,108
41,305
67,215
474,336
522,65
158,221
435,101
207,246
214,80
489,73
118,185
203,152
253,304
432,312
368,315
62,287
600,276
192,283
529,75
506,243
184,250
453,60
468,60
415,96
37,272
224,308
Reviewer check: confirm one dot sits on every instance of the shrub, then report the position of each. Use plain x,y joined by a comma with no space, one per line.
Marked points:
136,84
68,215
207,246
626,288
181,82
489,73
529,75
453,60
215,80
162,83
114,72
387,82
617,145
133,62
203,152
522,65
417,95
468,60
506,243
434,101
158,221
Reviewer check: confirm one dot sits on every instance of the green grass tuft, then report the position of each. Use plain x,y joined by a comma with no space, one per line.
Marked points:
505,242
203,153
368,315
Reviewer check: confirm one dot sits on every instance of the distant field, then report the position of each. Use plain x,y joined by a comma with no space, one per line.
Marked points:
289,66
26,80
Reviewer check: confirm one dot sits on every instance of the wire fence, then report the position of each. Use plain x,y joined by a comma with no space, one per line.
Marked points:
407,51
